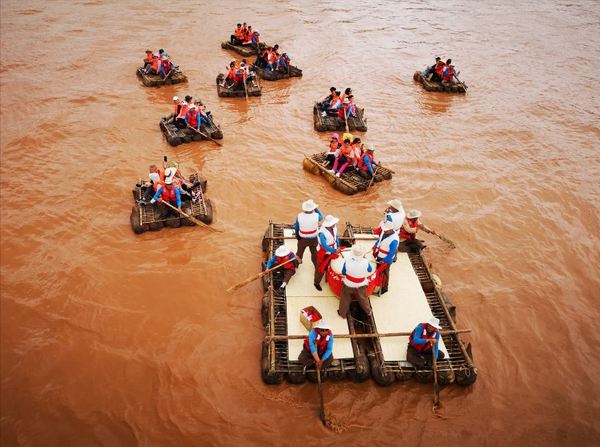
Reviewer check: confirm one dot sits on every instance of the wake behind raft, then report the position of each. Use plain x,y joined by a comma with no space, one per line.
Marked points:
361,349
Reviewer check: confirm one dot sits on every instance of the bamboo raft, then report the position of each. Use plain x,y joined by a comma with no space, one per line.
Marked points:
253,87
437,86
333,123
244,50
148,217
350,181
276,75
151,80
365,350
176,136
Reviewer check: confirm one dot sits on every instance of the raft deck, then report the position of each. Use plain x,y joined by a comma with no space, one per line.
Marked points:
276,75
333,122
245,51
350,182
176,136
437,86
252,86
412,298
151,80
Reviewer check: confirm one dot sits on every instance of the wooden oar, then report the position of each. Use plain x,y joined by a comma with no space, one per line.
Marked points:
245,88
346,119
463,84
320,387
258,276
168,74
373,335
372,179
192,218
444,238
207,136
436,385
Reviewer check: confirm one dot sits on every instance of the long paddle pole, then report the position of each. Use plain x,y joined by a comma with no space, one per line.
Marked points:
442,237
192,218
207,136
258,276
346,118
320,388
245,87
436,385
373,178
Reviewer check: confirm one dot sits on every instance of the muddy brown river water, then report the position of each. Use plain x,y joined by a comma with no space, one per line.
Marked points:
112,339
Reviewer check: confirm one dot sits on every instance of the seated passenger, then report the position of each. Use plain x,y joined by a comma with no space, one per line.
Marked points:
283,63
448,75
345,157
248,37
180,118
425,336
168,192
148,60
438,71
366,163
429,70
348,108
327,100
238,35
334,149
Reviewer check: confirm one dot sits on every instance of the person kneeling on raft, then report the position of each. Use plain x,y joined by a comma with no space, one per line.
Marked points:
355,274
420,342
318,346
283,254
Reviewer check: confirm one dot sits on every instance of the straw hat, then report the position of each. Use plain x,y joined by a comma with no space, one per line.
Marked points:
322,325
357,251
434,322
154,177
330,221
346,101
413,214
396,204
192,107
282,251
309,206
387,225
347,136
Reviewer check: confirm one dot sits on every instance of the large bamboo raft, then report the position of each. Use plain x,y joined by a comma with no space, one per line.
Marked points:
151,80
244,50
350,181
148,217
276,75
437,86
332,123
176,136
358,358
252,86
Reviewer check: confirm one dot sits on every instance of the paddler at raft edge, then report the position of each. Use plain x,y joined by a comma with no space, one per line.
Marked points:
394,213
422,338
329,247
384,252
318,346
355,273
283,254
408,232
306,227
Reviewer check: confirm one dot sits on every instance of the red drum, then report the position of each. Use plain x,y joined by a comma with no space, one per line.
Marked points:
334,274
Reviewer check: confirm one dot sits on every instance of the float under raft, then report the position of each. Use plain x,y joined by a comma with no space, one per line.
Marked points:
350,182
437,86
413,297
176,136
333,122
253,87
244,50
152,80
148,217
277,75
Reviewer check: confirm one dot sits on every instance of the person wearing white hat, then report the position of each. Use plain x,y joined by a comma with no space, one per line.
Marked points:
355,273
284,254
306,227
408,232
384,252
393,213
421,340
176,106
366,163
328,248
170,192
155,176
318,346
180,118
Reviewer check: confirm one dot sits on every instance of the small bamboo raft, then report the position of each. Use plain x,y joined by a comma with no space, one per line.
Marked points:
365,350
152,80
350,181
244,50
276,75
152,218
437,86
176,136
333,122
253,88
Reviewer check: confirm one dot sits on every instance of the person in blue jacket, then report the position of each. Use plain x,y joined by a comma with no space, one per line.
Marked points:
420,343
318,346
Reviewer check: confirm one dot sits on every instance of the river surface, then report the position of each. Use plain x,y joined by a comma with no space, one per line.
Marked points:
112,339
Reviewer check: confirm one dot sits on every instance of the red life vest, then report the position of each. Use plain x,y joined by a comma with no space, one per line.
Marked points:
412,224
271,57
439,68
239,33
333,146
182,112
362,165
320,342
156,64
176,108
159,183
289,265
149,57
167,66
168,193
449,74
192,117
425,347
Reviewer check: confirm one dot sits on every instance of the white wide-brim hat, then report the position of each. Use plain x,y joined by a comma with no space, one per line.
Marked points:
413,214
330,221
175,98
433,321
282,251
321,324
387,225
168,180
309,206
358,251
170,172
154,177
396,203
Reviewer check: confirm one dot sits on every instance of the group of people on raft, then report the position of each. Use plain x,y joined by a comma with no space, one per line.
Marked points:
443,72
158,63
168,184
188,113
270,60
397,232
349,154
244,35
338,104
238,75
